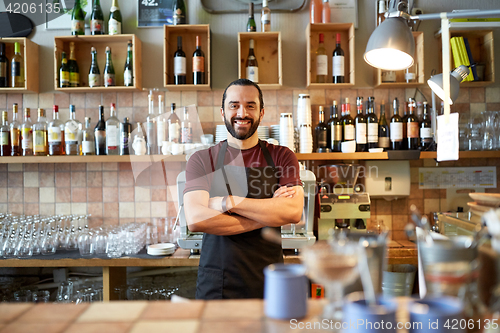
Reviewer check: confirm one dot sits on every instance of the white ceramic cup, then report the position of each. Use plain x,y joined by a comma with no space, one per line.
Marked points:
166,148
177,148
349,146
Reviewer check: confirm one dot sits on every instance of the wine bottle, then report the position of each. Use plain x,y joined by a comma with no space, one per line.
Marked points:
321,61
426,129
252,68
77,19
326,12
174,126
88,142
56,134
17,68
381,11
198,64
128,72
321,132
94,73
64,72
404,119
74,72
115,19
161,126
186,128
315,9
4,68
96,19
109,71
334,126
347,123
72,133
15,133
265,18
40,135
27,134
372,124
412,126
125,132
251,26
383,129
4,135
338,63
396,128
179,12
360,124
151,128
100,133
179,63
112,132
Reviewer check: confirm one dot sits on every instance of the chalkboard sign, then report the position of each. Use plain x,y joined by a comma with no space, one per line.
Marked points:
154,13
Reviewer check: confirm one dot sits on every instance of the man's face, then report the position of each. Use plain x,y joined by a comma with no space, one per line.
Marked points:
242,112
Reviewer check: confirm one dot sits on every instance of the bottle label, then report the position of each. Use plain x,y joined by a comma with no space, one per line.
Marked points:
179,65
173,132
383,142
361,133
109,80
409,76
4,138
94,80
160,129
78,26
55,135
426,133
266,18
74,79
27,138
71,129
338,66
322,64
127,77
16,68
114,27
112,137
396,131
14,136
412,130
349,132
253,74
87,147
95,26
337,133
125,140
198,64
64,79
39,142
388,76
372,132
321,139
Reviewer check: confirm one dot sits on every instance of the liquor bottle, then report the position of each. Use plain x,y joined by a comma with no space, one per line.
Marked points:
27,134
128,72
381,12
186,128
74,72
100,133
338,63
265,17
321,132
315,9
252,68
88,142
4,67
161,126
198,64
15,133
426,129
326,12
251,26
151,128
4,135
94,73
396,128
372,124
383,129
40,136
112,132
412,126
360,124
179,12
56,134
404,118
125,140
72,133
77,19
115,19
334,126
347,123
321,61
64,72
139,143
174,126
17,68
97,19
179,63
109,70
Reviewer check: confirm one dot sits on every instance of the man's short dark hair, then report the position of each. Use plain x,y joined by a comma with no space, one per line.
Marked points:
244,82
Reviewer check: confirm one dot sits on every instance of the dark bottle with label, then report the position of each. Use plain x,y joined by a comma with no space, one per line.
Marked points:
371,124
64,72
179,12
383,129
404,118
125,139
360,124
251,26
338,68
179,63
396,128
321,133
348,133
334,126
128,71
412,126
198,64
74,72
100,133
4,67
426,129
97,19
15,133
4,136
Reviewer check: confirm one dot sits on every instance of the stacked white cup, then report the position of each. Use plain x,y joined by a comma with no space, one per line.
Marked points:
286,131
304,122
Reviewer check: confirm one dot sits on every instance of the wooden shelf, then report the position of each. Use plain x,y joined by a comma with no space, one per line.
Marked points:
92,159
29,52
341,156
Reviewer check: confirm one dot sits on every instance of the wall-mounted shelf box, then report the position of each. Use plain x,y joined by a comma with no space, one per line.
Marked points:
29,52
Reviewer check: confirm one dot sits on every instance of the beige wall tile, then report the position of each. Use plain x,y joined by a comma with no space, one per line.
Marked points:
63,179
94,166
158,209
476,108
110,178
142,194
110,166
79,208
15,167
127,210
31,179
31,208
77,99
15,194
63,208
46,179
46,101
15,179
188,98
492,94
172,97
31,101
3,194
4,208
47,209
30,195
142,209
206,113
47,194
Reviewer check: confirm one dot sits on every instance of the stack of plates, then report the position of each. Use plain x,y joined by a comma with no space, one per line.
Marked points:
162,249
263,132
275,132
484,202
220,133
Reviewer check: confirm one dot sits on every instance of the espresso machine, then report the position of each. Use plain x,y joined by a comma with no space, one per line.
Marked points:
343,203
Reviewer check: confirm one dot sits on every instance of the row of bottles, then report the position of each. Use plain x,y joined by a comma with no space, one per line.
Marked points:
97,25
15,78
265,18
369,131
180,69
338,68
69,73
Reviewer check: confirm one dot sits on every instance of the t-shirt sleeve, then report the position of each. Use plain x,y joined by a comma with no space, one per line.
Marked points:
289,168
196,174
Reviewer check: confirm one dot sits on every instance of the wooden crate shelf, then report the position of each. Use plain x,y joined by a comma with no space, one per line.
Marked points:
330,31
118,45
268,52
188,32
29,52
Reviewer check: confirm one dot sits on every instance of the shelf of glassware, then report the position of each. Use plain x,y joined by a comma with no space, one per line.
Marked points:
118,46
384,155
93,159
29,52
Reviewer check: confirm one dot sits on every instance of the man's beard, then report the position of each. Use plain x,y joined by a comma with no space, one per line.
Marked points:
241,136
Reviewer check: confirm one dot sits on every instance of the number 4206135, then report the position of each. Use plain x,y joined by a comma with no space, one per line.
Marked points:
471,323
33,8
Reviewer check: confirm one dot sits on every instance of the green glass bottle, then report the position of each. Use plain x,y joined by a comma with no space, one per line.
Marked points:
128,72
109,70
96,19
77,19
179,12
94,73
115,19
251,26
17,68
64,72
74,72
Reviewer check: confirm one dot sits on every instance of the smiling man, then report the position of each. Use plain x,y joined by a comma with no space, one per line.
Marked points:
235,189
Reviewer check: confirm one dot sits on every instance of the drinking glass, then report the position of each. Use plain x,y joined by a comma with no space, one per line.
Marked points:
115,247
23,295
65,292
86,244
489,136
41,296
476,133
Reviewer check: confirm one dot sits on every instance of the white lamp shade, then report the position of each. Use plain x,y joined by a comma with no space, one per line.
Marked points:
456,76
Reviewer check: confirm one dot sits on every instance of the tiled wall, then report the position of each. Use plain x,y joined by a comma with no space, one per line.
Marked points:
114,193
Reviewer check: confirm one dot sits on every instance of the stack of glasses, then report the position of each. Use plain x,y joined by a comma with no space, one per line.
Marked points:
286,131
304,122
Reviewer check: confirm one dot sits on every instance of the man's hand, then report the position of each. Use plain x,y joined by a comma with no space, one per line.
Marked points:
284,192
